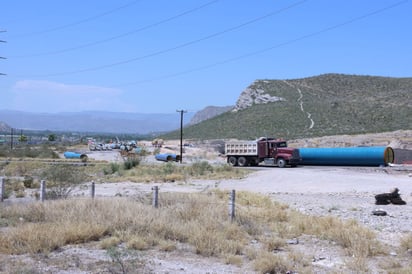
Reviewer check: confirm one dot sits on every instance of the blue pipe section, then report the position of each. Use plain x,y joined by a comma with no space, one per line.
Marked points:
167,157
75,155
347,156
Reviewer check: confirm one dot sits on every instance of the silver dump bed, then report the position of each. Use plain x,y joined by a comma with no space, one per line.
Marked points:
245,148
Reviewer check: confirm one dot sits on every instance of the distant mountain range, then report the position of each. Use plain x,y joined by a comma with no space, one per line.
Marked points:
328,104
94,121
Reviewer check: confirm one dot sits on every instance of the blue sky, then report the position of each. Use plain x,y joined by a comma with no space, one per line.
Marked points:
151,56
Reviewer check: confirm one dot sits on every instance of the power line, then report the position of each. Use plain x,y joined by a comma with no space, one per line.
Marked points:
250,54
1,57
94,17
178,46
121,35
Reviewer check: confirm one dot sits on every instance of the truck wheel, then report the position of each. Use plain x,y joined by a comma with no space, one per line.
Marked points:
232,161
242,161
281,162
254,162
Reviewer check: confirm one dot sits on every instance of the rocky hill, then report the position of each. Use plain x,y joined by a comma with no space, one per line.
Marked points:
4,127
329,104
253,95
207,113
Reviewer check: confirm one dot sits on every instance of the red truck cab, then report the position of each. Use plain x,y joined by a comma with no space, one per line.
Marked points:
276,151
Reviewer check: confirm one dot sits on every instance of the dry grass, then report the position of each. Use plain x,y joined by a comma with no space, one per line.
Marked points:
268,262
171,172
198,220
406,242
17,168
357,240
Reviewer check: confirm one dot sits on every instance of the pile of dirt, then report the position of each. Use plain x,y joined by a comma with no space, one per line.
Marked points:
400,139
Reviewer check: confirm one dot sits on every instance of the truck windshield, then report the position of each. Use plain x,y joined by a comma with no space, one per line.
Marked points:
277,144
282,144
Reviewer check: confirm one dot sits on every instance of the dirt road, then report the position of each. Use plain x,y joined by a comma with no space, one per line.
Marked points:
320,179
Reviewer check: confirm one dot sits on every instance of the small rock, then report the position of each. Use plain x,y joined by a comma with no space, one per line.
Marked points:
318,259
379,212
293,241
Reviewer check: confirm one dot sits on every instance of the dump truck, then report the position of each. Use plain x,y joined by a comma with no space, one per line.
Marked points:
269,151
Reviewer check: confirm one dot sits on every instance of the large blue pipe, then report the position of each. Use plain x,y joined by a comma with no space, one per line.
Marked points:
347,156
75,155
167,157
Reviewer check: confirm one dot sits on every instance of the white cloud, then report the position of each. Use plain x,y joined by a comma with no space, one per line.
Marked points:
47,96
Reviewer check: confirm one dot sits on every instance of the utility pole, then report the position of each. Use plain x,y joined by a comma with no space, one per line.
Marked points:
11,136
181,133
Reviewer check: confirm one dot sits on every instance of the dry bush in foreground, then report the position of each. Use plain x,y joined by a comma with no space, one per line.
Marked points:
198,220
406,242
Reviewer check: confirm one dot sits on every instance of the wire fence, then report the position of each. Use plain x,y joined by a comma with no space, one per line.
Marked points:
157,200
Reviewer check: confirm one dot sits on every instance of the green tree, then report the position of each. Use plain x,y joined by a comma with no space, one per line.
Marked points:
23,138
52,137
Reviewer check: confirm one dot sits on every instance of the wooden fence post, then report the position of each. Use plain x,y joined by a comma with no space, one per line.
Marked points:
42,190
232,199
2,189
155,201
93,190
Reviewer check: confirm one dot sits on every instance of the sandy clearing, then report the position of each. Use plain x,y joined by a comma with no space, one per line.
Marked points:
322,180
305,180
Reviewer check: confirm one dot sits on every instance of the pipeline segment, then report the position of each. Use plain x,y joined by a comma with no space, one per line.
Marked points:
347,156
75,155
167,157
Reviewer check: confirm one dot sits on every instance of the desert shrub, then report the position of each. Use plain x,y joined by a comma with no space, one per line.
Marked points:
131,162
124,261
268,262
20,194
28,181
234,260
112,169
406,242
110,242
169,168
62,179
167,245
137,243
200,168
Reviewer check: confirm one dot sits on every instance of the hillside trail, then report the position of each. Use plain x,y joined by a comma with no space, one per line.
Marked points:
300,102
